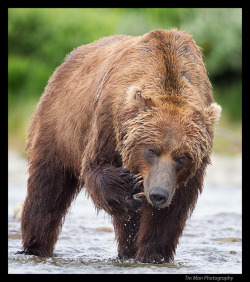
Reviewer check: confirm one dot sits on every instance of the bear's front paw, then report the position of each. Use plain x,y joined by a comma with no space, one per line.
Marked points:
125,256
132,196
151,257
137,197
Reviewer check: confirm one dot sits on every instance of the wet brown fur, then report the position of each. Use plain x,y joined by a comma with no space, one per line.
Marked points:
100,107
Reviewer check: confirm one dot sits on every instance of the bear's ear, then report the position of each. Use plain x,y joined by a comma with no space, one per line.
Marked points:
212,113
136,96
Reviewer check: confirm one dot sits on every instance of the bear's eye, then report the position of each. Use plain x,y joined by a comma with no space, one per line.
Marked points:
181,162
152,151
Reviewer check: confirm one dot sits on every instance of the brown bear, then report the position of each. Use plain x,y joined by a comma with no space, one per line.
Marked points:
132,119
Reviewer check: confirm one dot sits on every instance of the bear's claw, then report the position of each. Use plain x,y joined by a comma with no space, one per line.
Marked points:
137,181
138,197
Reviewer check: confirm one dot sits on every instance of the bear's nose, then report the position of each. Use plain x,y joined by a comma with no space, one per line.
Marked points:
158,196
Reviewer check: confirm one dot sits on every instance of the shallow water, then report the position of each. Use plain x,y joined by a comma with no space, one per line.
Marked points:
211,241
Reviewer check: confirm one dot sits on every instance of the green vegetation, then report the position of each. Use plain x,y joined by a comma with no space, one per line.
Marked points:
39,39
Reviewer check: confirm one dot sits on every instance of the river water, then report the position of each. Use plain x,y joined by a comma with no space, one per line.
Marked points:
211,242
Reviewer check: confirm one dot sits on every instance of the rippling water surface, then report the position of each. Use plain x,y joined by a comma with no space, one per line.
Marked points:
211,241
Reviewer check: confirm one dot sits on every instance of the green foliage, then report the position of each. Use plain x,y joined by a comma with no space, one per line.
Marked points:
219,33
40,38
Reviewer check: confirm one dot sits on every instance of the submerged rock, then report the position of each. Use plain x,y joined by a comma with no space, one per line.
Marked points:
104,229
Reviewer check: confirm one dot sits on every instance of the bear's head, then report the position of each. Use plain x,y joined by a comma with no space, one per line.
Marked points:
165,141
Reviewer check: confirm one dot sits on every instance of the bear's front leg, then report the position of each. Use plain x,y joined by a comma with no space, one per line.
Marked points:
159,233
126,228
112,189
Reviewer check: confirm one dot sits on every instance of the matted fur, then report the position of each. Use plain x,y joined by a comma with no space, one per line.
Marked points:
107,101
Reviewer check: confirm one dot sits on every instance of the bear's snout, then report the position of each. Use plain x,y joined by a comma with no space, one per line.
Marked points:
158,196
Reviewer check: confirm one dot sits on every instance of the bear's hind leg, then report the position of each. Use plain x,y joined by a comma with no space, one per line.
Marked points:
50,192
